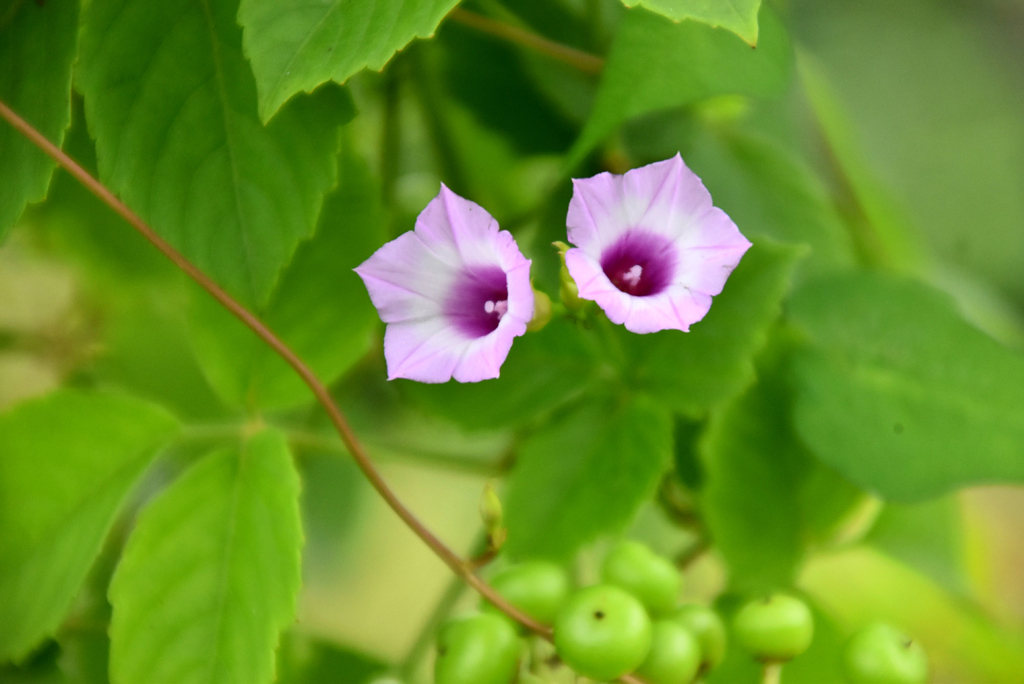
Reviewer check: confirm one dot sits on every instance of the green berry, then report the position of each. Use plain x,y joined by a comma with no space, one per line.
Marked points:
478,649
881,654
603,632
777,628
674,657
709,629
646,575
538,588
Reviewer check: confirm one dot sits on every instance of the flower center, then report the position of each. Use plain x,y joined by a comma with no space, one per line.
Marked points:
478,301
640,263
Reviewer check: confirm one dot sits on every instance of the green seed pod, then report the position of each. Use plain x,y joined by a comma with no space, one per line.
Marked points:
652,579
674,657
705,624
478,649
538,588
881,654
603,632
774,629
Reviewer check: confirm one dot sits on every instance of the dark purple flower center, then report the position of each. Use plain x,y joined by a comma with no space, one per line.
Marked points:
640,263
478,301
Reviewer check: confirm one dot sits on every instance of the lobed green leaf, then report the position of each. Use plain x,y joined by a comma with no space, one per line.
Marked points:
296,45
320,307
769,192
929,536
544,370
210,574
67,462
586,475
657,64
692,372
898,393
753,472
171,103
38,45
738,16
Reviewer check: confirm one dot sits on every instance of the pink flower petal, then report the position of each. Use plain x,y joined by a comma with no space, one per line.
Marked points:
651,249
455,293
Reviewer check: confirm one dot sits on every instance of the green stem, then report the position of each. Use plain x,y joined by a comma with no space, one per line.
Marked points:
222,432
692,553
772,673
452,593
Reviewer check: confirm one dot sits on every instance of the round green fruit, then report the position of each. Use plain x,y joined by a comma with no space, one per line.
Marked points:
881,654
674,657
709,630
538,588
777,628
643,573
602,632
478,649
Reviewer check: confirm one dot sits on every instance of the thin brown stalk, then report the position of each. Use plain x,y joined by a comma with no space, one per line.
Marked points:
348,437
460,567
585,62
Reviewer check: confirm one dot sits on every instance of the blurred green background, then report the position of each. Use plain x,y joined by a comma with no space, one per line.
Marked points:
931,132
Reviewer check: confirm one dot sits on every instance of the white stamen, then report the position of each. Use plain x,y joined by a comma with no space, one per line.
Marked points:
499,307
632,276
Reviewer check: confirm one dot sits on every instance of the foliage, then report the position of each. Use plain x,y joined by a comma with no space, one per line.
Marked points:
813,434
210,574
37,49
69,462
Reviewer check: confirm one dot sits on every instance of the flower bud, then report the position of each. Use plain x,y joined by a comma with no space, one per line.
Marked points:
568,290
490,510
541,311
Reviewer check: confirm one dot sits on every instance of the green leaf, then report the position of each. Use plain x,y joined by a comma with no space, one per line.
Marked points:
67,462
305,660
691,372
543,371
769,192
586,475
753,471
738,16
899,394
38,43
927,536
210,574
172,105
295,46
86,231
320,308
884,235
950,149
657,64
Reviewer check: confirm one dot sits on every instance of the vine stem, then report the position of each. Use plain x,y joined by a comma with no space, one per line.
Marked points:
457,565
323,396
583,61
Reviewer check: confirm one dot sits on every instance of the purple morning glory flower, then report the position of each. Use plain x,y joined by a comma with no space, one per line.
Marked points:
454,293
651,249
